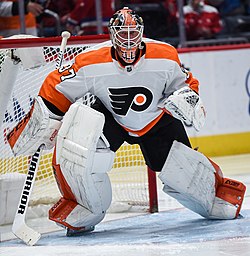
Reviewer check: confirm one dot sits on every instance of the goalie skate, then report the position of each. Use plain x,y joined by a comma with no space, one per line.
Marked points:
79,232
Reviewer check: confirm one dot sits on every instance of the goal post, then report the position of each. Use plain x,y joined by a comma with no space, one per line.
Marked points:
133,184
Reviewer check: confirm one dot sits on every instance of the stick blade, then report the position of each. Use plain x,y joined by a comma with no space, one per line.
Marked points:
25,233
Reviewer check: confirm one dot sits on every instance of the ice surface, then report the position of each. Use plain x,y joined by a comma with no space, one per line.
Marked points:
173,232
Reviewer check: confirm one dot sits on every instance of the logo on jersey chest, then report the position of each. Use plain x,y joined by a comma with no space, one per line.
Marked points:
135,98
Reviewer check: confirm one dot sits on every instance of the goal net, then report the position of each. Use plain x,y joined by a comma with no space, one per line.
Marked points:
132,183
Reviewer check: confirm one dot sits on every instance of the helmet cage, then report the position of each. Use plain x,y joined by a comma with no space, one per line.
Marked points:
126,40
126,36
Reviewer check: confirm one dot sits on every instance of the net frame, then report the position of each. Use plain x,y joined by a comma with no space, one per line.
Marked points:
126,159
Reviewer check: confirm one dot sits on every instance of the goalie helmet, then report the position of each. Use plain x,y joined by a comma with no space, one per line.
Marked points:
126,30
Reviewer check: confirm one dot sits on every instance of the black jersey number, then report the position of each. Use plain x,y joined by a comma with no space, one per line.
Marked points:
67,72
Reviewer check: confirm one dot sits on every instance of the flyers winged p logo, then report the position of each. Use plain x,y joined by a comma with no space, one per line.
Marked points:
136,98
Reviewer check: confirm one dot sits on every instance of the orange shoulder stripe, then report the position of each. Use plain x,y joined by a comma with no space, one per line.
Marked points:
49,92
161,51
102,55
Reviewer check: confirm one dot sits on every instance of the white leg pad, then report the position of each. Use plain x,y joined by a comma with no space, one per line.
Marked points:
189,177
83,165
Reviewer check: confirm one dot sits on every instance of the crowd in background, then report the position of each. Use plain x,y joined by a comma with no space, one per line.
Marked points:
203,19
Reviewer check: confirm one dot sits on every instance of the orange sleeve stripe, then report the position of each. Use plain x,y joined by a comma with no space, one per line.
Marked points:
49,92
147,127
162,51
193,83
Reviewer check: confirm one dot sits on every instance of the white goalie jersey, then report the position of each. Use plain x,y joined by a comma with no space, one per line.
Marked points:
125,91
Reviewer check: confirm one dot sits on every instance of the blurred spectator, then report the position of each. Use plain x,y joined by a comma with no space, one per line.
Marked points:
84,15
201,21
172,21
228,7
10,19
77,16
51,22
235,15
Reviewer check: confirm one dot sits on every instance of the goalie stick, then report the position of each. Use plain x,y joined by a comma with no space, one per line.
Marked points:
19,227
65,37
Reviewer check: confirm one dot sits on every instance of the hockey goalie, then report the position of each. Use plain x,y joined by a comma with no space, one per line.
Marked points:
144,97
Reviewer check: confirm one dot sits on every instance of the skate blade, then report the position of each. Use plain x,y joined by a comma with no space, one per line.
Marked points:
80,232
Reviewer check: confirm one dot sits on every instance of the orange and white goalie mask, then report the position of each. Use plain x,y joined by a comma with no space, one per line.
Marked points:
126,30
